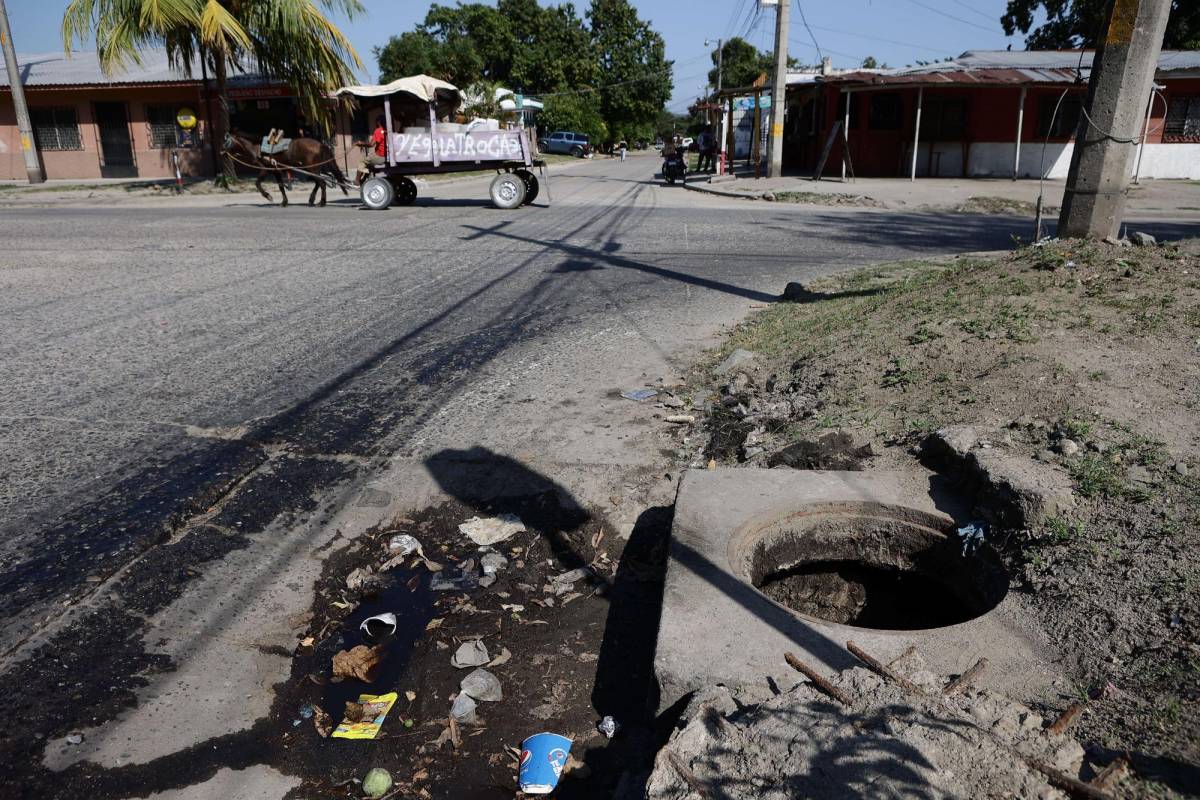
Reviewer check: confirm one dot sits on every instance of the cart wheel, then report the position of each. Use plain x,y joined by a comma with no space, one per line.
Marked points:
405,189
508,190
377,193
531,185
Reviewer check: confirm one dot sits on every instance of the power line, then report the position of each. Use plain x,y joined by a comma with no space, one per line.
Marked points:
879,39
812,36
974,10
948,15
851,56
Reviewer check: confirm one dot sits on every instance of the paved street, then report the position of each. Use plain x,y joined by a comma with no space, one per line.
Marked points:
181,378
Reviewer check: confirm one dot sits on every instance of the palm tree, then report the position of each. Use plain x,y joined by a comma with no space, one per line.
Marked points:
288,40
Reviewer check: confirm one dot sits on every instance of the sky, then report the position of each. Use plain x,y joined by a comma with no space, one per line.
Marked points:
895,32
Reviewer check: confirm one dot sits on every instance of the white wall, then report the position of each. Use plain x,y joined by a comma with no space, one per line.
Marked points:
995,160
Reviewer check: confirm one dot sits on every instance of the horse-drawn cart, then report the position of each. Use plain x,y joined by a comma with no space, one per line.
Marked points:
430,147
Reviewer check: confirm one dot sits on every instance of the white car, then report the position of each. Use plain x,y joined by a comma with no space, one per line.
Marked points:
687,142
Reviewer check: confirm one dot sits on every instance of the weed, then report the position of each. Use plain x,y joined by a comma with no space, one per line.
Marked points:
1062,532
923,333
899,375
1097,375
1095,476
1076,428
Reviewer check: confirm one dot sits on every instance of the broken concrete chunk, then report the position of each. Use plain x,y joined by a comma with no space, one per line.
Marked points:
1142,239
1025,492
735,360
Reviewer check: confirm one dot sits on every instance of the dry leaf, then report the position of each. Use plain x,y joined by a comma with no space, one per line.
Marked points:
354,712
572,596
435,623
307,641
502,658
420,775
411,696
322,722
455,738
359,662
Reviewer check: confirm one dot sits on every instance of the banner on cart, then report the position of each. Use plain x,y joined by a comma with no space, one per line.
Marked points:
458,146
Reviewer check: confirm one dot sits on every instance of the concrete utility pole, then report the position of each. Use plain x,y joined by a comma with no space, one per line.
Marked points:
1122,72
779,89
33,167
720,75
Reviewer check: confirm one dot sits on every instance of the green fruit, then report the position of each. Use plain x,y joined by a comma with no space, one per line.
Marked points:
377,782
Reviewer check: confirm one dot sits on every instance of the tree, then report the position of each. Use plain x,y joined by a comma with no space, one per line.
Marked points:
1081,23
634,74
741,63
870,63
289,40
575,112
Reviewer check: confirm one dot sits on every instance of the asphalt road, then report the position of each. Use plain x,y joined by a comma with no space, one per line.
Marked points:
210,366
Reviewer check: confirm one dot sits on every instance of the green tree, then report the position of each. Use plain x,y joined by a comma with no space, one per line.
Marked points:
575,112
870,63
1081,23
634,75
292,41
741,64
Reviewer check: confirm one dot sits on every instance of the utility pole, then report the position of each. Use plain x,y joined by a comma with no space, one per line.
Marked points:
779,89
721,112
1122,73
24,127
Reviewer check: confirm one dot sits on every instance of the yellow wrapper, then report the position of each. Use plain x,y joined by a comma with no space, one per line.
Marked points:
375,708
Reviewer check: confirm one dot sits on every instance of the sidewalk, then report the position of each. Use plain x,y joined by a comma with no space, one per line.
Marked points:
971,195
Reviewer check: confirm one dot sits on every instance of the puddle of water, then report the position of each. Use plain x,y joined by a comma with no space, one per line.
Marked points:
855,593
413,609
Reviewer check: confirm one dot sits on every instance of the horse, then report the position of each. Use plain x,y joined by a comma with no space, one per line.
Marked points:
306,154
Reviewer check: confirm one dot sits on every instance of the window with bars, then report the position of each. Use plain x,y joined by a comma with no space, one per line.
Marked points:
56,128
884,113
1064,124
160,120
1183,118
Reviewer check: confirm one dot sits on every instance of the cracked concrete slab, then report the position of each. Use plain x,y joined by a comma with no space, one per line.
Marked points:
253,783
718,628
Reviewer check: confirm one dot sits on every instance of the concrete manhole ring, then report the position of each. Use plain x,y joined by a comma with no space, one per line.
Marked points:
868,565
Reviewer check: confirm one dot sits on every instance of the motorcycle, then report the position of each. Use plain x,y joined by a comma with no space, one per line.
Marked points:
675,168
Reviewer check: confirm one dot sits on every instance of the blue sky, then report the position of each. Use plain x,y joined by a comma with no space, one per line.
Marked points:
897,32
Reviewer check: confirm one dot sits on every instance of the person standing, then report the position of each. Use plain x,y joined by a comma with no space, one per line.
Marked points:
623,147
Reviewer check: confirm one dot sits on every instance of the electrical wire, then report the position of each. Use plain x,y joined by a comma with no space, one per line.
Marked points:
974,10
850,56
948,15
879,39
811,35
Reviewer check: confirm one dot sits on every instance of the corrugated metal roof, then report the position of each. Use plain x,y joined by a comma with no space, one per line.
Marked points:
83,69
1008,67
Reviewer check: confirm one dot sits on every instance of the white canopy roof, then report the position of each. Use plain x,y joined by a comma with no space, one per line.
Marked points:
423,87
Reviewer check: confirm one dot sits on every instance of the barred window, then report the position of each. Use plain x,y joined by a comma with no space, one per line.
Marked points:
1183,117
884,113
1064,124
56,128
161,123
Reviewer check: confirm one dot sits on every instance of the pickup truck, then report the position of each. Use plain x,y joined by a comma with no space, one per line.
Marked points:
569,142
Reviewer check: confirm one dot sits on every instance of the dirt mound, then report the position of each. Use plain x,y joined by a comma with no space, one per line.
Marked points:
889,743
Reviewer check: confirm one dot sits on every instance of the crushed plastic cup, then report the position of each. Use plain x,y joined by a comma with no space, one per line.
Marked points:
543,758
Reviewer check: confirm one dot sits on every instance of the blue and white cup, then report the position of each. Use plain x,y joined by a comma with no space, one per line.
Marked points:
543,758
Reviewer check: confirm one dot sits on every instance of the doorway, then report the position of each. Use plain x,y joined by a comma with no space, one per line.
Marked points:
116,148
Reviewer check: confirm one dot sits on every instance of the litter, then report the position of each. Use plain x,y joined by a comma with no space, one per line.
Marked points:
681,419
456,580
75,738
569,578
463,709
515,608
972,536
543,757
359,662
502,658
609,727
404,545
378,627
374,709
377,782
493,563
490,530
306,711
638,395
363,579
470,654
322,722
482,685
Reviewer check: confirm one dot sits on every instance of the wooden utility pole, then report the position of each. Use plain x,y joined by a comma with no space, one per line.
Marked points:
33,167
779,88
1105,142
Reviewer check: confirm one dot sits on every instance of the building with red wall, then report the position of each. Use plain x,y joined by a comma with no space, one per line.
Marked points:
970,111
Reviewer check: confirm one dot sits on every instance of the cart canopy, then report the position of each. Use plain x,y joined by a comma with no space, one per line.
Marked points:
423,87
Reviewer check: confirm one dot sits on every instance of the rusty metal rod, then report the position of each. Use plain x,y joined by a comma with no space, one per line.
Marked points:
963,681
1111,775
694,783
1075,787
880,669
818,681
908,653
1066,718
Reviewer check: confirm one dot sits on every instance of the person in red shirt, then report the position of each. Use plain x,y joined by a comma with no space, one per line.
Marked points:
377,157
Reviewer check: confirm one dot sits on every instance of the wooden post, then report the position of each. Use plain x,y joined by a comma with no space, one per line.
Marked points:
1020,130
916,133
846,134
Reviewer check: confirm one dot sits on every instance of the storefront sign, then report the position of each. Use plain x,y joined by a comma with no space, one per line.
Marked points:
256,92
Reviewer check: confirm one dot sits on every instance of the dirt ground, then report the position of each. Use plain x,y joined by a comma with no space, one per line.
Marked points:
1085,356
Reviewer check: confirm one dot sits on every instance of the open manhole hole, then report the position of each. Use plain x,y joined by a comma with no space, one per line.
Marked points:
871,565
